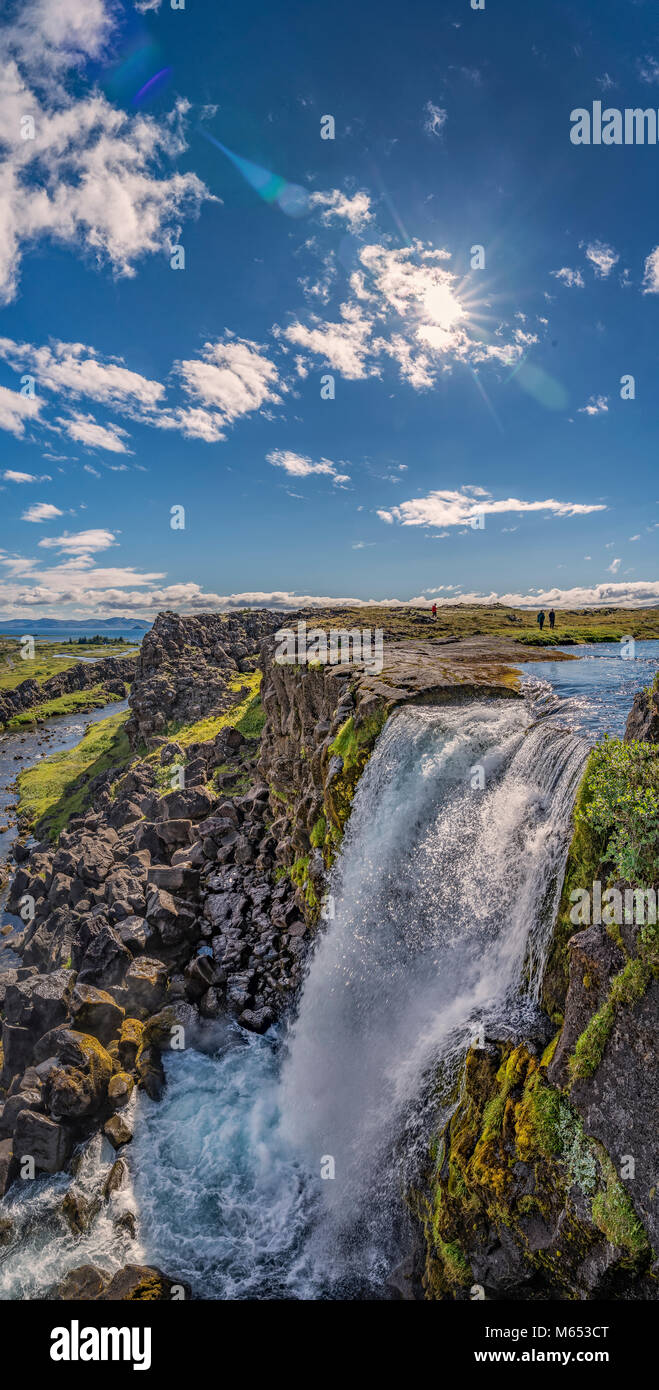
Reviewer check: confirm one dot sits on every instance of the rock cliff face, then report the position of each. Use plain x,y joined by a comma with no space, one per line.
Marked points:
185,666
112,672
543,1182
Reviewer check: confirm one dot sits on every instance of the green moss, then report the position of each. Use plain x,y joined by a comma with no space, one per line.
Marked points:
353,744
582,868
246,715
318,833
629,985
614,1214
515,1149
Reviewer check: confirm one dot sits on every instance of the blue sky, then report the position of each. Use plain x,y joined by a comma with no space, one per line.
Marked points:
461,395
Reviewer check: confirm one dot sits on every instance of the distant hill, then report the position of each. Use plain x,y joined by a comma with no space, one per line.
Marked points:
58,626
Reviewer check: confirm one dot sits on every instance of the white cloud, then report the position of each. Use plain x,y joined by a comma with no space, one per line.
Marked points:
460,508
85,430
651,273
648,69
597,405
602,257
234,378
77,370
10,476
355,209
614,566
79,542
572,278
405,306
16,411
299,466
93,177
435,118
41,511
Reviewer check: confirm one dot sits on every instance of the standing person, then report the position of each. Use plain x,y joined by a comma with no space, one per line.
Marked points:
552,618
541,619
434,610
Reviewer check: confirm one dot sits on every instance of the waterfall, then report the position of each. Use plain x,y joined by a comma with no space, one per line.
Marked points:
448,880
444,894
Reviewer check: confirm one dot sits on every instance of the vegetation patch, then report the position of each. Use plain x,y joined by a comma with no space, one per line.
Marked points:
247,715
629,985
56,788
76,702
353,744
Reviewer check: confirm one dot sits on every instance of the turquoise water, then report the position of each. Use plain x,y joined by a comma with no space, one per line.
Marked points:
596,692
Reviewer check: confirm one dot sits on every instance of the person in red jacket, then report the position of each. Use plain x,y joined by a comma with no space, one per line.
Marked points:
434,610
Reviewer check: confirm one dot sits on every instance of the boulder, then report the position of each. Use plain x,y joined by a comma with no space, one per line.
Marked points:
42,1139
120,1089
106,959
118,1131
40,1002
84,1283
190,803
95,860
8,1165
150,1071
130,1041
78,1084
146,984
95,1011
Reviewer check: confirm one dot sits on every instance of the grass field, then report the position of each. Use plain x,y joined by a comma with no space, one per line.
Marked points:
14,670
471,620
54,788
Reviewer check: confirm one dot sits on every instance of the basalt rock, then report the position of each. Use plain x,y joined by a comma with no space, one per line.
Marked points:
185,667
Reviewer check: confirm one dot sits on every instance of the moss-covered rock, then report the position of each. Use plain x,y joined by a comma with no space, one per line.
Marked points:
520,1199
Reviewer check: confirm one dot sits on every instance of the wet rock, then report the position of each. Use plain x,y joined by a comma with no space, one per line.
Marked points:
42,1139
120,1089
79,1210
85,1283
118,1131
142,1283
151,1072
256,1020
116,1178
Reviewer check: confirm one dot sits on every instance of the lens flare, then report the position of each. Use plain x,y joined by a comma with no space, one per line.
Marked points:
291,198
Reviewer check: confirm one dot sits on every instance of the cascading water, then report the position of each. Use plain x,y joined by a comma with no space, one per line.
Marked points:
444,896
